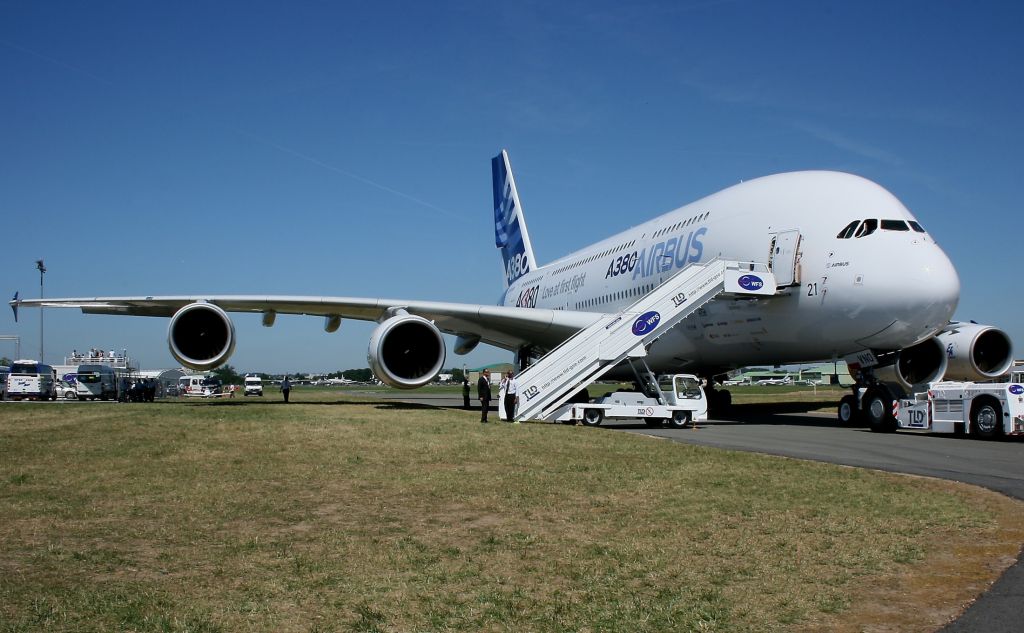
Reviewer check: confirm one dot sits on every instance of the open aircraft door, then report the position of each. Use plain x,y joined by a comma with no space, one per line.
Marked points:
785,257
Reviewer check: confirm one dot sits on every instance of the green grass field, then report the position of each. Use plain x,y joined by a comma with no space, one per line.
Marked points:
341,514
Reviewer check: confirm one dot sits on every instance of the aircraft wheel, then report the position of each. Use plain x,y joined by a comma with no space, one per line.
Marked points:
878,411
654,423
986,419
680,419
593,417
848,414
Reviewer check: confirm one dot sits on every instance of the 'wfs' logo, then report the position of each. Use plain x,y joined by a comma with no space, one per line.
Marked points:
751,282
646,322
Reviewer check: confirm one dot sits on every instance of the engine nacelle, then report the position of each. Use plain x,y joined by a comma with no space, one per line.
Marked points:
916,365
406,351
201,336
976,352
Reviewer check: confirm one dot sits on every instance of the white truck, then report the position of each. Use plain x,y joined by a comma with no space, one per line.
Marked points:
986,410
680,403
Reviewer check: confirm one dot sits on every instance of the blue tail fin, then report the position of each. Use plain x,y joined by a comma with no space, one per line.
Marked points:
509,226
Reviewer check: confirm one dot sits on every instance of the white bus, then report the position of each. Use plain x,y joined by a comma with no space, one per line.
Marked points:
33,380
97,381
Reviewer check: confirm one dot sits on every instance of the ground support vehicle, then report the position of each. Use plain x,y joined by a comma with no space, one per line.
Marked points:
678,402
253,386
31,380
97,381
985,410
199,385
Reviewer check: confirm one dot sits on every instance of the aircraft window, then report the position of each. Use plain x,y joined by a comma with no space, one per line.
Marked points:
917,227
894,225
847,233
867,228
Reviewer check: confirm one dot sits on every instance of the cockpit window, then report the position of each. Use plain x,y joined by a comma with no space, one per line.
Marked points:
859,228
847,233
894,225
867,228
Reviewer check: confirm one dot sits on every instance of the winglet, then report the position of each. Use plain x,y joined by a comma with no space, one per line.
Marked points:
15,302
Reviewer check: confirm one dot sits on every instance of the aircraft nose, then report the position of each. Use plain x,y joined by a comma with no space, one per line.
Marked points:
932,285
915,291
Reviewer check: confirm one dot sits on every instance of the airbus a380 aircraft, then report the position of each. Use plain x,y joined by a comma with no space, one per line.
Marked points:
858,276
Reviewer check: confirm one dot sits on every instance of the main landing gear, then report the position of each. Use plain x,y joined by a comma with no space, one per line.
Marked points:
719,400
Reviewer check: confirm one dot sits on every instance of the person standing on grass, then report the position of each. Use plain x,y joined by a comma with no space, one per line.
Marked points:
286,387
465,392
483,392
511,395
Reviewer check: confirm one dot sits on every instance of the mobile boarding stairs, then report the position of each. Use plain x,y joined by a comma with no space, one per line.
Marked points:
593,351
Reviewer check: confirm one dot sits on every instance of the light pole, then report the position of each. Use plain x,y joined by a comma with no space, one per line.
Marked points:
42,271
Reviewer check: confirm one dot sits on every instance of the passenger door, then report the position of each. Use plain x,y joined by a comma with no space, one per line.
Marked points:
785,257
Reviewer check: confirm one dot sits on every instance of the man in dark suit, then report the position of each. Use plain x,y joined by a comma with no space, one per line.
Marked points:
483,392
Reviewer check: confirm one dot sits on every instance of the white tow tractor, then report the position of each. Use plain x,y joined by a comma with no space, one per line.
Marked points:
678,400
987,410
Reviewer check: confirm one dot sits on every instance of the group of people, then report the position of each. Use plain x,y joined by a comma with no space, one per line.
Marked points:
508,387
138,390
94,354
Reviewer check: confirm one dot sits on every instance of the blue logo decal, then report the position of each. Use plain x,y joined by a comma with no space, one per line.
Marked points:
646,322
751,282
1016,390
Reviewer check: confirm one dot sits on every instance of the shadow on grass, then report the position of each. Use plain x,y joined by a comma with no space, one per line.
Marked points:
378,404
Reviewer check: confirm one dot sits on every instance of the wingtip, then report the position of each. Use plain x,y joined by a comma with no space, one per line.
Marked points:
15,302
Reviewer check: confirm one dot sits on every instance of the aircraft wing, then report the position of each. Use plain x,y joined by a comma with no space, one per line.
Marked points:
501,326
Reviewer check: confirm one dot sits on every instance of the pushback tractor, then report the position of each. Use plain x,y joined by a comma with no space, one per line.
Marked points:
984,410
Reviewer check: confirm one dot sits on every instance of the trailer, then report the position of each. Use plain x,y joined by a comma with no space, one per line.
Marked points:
985,410
678,402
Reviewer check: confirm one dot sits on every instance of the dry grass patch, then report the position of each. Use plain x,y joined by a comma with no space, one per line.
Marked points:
355,516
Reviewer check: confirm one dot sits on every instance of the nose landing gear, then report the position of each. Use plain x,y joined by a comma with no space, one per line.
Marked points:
869,405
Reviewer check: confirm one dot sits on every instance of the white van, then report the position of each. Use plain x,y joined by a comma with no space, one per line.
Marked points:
32,380
198,385
253,385
96,381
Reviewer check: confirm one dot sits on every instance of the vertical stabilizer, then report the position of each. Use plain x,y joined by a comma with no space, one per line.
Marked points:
509,226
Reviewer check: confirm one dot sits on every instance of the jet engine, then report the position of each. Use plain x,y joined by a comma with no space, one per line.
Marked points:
406,351
916,365
976,352
964,351
201,336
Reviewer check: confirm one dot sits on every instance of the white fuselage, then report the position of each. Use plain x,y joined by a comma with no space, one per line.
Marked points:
885,290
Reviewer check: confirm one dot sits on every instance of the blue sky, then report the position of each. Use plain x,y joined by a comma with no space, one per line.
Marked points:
341,148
